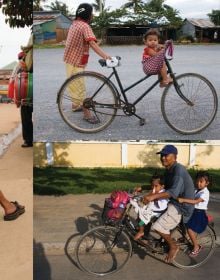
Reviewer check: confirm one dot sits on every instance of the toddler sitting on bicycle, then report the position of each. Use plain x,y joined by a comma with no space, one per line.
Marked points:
199,219
152,209
153,57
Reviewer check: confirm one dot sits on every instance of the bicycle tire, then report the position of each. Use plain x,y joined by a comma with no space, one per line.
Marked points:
205,239
182,117
94,92
95,255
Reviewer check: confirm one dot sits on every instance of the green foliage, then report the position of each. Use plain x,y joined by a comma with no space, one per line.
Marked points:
59,6
18,13
136,5
186,38
37,5
101,23
61,181
96,5
215,17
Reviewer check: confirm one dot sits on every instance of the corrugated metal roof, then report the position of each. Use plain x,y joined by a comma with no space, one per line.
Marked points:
44,17
37,22
203,23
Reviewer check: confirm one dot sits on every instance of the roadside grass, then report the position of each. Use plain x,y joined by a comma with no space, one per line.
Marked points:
49,46
61,181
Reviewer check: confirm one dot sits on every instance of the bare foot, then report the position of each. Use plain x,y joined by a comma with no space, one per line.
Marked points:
166,82
172,254
138,235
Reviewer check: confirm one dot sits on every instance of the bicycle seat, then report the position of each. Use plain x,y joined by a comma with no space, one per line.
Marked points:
110,63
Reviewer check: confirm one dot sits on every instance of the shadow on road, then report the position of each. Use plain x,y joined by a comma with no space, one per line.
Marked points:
42,269
83,224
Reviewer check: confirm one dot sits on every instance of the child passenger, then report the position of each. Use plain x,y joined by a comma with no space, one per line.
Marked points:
199,220
158,206
153,57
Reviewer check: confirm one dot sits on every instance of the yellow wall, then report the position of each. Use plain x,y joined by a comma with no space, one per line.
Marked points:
87,155
208,156
109,154
145,154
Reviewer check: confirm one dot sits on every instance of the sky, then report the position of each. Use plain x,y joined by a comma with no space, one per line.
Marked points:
187,8
10,41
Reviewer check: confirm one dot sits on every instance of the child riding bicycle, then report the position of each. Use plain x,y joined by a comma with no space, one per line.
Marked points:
153,57
153,209
199,219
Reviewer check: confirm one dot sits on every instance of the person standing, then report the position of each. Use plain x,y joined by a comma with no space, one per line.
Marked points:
27,106
178,183
76,55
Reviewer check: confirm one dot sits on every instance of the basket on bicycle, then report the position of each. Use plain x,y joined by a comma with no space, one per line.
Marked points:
114,207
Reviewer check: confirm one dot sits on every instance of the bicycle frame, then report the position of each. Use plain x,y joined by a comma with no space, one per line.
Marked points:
124,90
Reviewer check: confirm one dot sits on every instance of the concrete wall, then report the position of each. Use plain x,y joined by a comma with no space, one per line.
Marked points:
122,154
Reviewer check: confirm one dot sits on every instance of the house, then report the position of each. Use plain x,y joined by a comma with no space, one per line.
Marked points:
202,30
50,27
130,29
5,74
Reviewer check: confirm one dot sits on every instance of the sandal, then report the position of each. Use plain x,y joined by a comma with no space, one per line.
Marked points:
76,108
196,252
19,211
92,120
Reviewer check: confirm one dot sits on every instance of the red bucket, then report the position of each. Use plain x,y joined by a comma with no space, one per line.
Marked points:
23,92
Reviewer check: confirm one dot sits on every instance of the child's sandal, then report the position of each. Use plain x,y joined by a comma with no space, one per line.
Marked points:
196,252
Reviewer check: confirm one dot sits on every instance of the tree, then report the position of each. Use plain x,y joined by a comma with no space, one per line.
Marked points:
96,5
37,5
215,16
134,4
59,6
105,19
18,13
156,10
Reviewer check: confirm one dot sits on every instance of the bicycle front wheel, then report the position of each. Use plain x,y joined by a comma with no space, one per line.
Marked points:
194,116
183,259
103,250
87,102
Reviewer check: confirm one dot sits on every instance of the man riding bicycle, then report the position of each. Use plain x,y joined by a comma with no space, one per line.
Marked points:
178,183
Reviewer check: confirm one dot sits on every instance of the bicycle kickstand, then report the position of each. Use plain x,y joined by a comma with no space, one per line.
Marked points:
141,120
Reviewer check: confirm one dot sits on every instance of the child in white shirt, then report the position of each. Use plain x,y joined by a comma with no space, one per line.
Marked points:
154,208
199,219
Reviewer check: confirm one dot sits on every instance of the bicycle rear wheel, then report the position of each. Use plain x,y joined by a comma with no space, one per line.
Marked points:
183,259
103,250
189,118
87,102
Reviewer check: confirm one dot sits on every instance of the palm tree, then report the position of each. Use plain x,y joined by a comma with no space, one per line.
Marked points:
135,4
59,6
99,4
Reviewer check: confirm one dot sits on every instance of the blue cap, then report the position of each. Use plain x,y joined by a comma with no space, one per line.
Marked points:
168,149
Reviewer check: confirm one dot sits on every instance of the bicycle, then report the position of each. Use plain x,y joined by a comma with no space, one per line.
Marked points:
106,249
188,105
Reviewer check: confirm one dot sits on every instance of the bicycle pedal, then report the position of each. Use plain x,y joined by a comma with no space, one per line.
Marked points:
142,122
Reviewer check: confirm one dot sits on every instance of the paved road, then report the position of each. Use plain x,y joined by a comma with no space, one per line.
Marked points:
139,267
50,74
58,266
